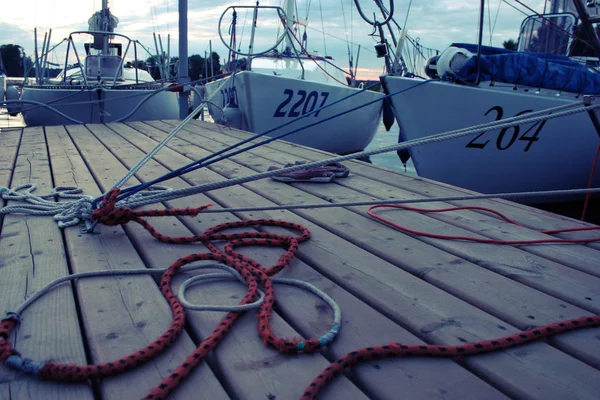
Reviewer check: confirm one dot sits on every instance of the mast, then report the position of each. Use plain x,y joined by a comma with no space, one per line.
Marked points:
290,12
184,78
105,26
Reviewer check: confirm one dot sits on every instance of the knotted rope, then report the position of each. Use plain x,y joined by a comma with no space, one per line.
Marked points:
252,272
66,213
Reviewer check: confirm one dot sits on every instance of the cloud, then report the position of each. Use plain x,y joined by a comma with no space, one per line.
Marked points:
435,24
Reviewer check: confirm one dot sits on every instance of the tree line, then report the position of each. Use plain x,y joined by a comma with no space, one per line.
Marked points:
18,64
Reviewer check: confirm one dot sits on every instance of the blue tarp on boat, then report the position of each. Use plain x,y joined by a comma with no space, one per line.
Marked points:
541,70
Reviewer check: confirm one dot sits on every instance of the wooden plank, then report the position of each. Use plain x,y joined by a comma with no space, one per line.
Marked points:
377,282
33,256
581,257
9,142
367,326
239,360
120,314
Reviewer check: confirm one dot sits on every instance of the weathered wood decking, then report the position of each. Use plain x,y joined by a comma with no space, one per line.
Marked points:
390,286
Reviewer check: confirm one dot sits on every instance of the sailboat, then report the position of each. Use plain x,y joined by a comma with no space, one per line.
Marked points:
100,88
287,83
556,63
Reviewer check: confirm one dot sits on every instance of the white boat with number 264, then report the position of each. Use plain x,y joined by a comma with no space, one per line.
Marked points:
548,70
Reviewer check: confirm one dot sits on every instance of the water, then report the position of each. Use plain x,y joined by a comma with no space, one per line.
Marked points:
390,159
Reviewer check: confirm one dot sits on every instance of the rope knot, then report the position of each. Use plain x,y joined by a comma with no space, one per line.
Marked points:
109,214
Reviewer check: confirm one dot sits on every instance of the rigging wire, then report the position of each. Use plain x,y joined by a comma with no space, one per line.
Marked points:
323,28
497,14
489,20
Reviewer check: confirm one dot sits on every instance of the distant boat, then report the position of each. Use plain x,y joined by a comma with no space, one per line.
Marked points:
102,87
556,64
284,84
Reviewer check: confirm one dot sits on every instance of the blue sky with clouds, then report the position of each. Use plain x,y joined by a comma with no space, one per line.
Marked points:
330,23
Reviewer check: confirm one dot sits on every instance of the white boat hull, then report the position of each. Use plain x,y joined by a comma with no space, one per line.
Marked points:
96,105
268,101
551,155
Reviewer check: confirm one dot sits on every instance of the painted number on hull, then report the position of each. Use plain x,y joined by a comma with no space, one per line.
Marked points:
508,136
300,103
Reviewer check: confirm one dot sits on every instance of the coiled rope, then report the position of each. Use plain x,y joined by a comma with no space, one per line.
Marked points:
253,274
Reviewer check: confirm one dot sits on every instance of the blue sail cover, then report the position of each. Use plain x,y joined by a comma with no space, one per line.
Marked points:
540,70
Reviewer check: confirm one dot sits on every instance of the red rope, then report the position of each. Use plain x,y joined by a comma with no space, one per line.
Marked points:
590,182
400,350
415,350
475,239
252,272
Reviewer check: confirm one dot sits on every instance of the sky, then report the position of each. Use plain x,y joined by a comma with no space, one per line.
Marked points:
332,24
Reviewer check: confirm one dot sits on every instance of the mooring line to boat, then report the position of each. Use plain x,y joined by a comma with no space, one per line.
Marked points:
590,183
284,207
43,105
69,213
183,192
216,156
133,170
208,160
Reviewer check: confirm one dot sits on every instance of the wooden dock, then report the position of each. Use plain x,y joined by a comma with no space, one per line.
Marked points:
391,287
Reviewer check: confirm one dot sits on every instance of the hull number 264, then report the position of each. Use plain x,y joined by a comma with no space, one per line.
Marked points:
508,136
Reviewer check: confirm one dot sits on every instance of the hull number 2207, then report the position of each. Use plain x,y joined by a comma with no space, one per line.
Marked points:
300,103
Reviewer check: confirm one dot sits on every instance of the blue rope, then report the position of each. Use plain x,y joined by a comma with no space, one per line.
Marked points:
206,161
24,365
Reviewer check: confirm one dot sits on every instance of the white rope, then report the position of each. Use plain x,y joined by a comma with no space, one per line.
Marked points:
509,122
170,136
549,193
233,274
66,213
71,213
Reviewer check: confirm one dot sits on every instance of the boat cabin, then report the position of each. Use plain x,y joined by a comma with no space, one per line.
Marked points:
103,67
